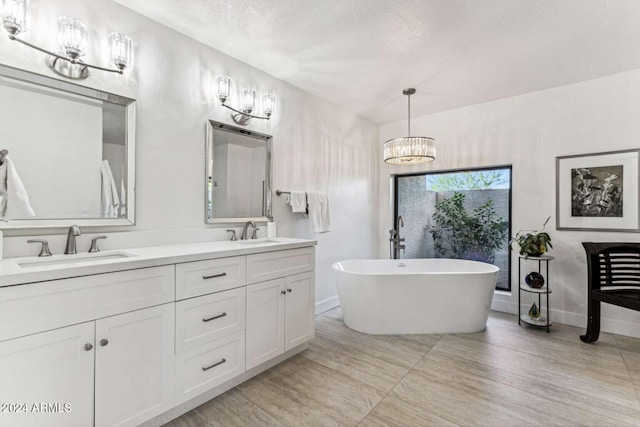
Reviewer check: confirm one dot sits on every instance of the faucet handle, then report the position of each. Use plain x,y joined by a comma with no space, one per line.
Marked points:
255,233
44,251
94,244
233,235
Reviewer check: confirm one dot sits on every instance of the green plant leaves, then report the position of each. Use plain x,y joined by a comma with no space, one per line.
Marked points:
459,233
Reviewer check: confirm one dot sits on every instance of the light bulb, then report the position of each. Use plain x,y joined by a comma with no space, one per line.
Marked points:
223,87
121,50
72,37
14,15
248,100
268,104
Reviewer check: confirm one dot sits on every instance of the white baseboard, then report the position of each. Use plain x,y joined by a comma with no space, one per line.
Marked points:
574,319
327,304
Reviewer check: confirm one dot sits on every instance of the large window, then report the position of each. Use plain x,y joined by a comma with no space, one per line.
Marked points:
462,214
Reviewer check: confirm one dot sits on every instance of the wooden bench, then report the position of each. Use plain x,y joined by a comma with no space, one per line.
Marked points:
614,278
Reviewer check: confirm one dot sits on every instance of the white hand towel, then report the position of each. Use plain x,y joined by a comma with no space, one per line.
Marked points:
15,199
298,201
110,200
319,211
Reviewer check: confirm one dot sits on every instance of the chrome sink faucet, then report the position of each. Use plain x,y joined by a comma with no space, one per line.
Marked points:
244,235
74,231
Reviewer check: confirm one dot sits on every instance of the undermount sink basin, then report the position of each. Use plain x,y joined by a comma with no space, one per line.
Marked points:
263,241
74,259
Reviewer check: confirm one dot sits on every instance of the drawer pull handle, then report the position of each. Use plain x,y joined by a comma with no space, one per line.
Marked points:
283,292
206,368
88,347
214,317
289,290
214,276
104,342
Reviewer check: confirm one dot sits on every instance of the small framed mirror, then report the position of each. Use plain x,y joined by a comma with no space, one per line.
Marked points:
67,154
238,175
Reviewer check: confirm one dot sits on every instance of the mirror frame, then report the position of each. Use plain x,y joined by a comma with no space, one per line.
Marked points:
212,126
130,104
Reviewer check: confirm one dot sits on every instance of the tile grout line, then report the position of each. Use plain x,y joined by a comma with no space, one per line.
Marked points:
626,368
548,398
338,373
399,381
411,370
283,423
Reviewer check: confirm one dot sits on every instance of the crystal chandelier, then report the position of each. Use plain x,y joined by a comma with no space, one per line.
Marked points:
409,150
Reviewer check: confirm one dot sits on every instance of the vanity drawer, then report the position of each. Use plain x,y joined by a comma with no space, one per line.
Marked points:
272,265
205,277
207,318
38,307
208,366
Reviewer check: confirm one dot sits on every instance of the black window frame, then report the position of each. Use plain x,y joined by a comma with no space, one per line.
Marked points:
462,170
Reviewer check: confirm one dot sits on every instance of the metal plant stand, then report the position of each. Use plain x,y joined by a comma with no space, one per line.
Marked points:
542,321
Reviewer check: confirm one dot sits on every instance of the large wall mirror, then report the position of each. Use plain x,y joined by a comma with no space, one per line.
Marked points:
67,153
238,175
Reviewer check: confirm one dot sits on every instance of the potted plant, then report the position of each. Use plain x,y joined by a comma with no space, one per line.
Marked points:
532,242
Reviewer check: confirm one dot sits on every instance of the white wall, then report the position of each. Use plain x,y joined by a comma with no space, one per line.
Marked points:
529,131
315,146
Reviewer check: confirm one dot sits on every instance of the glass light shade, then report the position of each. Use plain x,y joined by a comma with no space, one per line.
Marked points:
268,104
121,50
248,100
14,15
72,37
410,150
223,87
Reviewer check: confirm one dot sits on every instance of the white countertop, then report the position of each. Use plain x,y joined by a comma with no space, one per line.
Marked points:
12,273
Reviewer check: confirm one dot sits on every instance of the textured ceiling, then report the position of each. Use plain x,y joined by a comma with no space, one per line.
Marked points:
360,54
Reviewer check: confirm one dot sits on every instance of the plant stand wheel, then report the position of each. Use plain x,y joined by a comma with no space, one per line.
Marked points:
543,265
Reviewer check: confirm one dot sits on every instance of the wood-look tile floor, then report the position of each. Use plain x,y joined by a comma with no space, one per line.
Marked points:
507,375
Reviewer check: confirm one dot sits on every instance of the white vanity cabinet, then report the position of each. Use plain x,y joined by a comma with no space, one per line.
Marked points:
210,341
279,316
108,338
124,363
141,346
299,309
279,311
134,366
54,367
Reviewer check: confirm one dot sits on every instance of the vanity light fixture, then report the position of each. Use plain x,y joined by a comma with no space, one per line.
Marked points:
247,102
72,42
409,150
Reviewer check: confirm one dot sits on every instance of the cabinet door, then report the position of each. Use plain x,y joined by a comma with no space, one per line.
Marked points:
265,321
299,310
52,374
134,366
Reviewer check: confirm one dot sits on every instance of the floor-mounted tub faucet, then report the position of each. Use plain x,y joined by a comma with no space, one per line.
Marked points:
395,240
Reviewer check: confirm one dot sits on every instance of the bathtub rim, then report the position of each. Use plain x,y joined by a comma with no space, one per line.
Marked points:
334,267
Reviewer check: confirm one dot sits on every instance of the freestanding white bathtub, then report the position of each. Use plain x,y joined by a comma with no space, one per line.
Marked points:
415,296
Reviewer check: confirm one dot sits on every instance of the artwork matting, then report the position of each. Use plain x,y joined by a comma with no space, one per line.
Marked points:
598,191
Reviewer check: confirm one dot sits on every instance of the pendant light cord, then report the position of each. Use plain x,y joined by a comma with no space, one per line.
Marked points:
409,114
